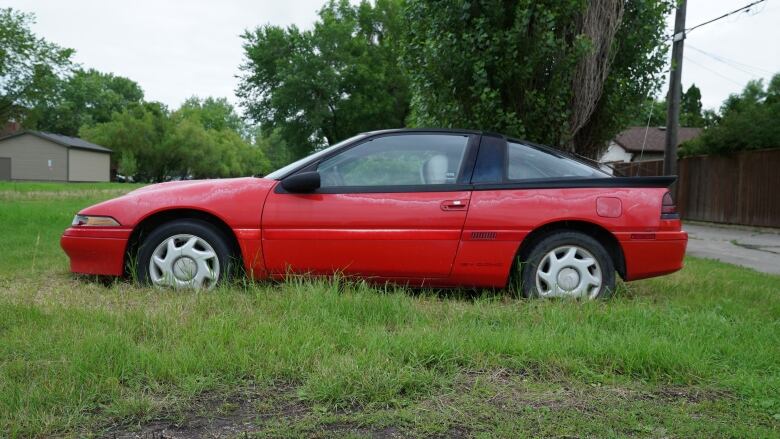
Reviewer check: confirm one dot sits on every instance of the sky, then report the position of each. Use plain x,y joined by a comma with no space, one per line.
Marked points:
179,48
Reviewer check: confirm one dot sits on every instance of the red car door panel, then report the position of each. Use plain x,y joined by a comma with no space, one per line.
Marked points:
406,235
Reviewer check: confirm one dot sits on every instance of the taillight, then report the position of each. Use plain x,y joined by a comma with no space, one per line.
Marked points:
668,208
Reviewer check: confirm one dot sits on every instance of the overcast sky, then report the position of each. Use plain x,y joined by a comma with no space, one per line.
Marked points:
178,48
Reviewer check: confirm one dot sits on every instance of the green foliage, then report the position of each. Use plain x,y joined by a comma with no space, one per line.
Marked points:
202,139
274,147
322,86
691,114
207,139
747,121
127,165
30,67
652,110
212,114
690,108
85,98
509,67
138,130
639,49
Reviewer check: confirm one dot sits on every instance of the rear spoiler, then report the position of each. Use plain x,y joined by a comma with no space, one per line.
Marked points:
663,181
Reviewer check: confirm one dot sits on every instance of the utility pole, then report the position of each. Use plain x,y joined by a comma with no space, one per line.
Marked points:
675,89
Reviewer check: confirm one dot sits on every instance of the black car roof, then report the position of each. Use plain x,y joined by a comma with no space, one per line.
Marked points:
425,130
548,149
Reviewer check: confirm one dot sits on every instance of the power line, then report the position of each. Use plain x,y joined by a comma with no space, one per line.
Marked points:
714,71
725,15
727,63
730,62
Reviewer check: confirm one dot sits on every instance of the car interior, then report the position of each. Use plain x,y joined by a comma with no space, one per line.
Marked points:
396,160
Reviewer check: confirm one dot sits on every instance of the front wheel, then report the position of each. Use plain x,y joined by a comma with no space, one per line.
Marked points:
189,254
568,264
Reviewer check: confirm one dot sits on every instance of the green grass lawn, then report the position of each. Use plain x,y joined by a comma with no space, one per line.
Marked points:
694,354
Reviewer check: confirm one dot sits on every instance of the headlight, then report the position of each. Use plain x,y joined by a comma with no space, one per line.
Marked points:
97,221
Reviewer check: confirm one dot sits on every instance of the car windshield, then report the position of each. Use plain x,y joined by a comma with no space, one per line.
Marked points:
282,172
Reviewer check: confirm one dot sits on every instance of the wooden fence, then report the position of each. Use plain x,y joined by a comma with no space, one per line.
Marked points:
647,168
742,188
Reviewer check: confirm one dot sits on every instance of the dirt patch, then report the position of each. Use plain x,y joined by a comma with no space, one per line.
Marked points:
216,416
247,414
468,408
690,395
348,429
456,432
517,390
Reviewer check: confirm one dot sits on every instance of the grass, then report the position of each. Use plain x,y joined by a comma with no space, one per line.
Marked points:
33,216
696,353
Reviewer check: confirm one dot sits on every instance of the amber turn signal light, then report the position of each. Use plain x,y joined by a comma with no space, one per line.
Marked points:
94,221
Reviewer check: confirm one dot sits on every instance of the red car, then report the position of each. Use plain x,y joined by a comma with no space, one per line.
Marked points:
440,208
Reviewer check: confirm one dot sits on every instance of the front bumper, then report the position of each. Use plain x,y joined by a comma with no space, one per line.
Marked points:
96,250
647,256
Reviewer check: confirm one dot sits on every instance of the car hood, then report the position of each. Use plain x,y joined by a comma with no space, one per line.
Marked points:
237,201
177,185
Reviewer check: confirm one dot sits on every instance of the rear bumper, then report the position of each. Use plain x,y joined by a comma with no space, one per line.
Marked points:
96,251
648,257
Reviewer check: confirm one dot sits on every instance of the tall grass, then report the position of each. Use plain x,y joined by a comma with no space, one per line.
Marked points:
119,349
75,353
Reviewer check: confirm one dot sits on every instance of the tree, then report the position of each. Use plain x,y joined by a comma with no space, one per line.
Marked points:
127,165
650,112
690,108
691,114
747,121
557,72
274,147
321,86
30,67
213,114
85,98
208,139
202,139
138,132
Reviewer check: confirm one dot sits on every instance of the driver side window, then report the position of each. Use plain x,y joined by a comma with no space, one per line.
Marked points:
409,159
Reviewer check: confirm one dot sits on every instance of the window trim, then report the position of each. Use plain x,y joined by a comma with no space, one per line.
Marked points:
500,162
548,150
462,179
511,183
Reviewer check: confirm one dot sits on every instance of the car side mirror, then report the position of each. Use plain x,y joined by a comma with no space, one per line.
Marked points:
302,183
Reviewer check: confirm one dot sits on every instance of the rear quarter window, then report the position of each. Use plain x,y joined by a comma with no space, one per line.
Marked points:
525,162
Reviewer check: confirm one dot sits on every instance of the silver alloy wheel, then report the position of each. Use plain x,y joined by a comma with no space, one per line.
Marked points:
184,261
569,271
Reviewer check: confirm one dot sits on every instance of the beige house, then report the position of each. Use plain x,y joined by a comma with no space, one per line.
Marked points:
36,155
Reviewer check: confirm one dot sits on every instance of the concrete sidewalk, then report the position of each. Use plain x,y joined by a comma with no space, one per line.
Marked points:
758,249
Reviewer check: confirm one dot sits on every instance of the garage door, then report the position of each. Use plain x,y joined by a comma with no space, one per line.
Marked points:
5,168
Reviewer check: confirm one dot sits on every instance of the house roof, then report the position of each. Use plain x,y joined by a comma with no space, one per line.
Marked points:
632,138
66,141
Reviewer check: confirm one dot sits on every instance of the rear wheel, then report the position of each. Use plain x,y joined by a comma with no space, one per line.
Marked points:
189,254
568,264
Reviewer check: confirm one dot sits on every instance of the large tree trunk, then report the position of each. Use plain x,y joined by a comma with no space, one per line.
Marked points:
599,23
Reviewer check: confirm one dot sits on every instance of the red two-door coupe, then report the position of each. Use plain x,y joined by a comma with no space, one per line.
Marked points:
420,207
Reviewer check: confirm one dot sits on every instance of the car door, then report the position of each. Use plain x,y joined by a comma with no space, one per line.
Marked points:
391,206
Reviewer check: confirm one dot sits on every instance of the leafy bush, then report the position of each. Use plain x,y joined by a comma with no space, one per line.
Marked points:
748,121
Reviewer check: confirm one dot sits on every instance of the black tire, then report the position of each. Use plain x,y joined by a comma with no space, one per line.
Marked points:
528,268
202,229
